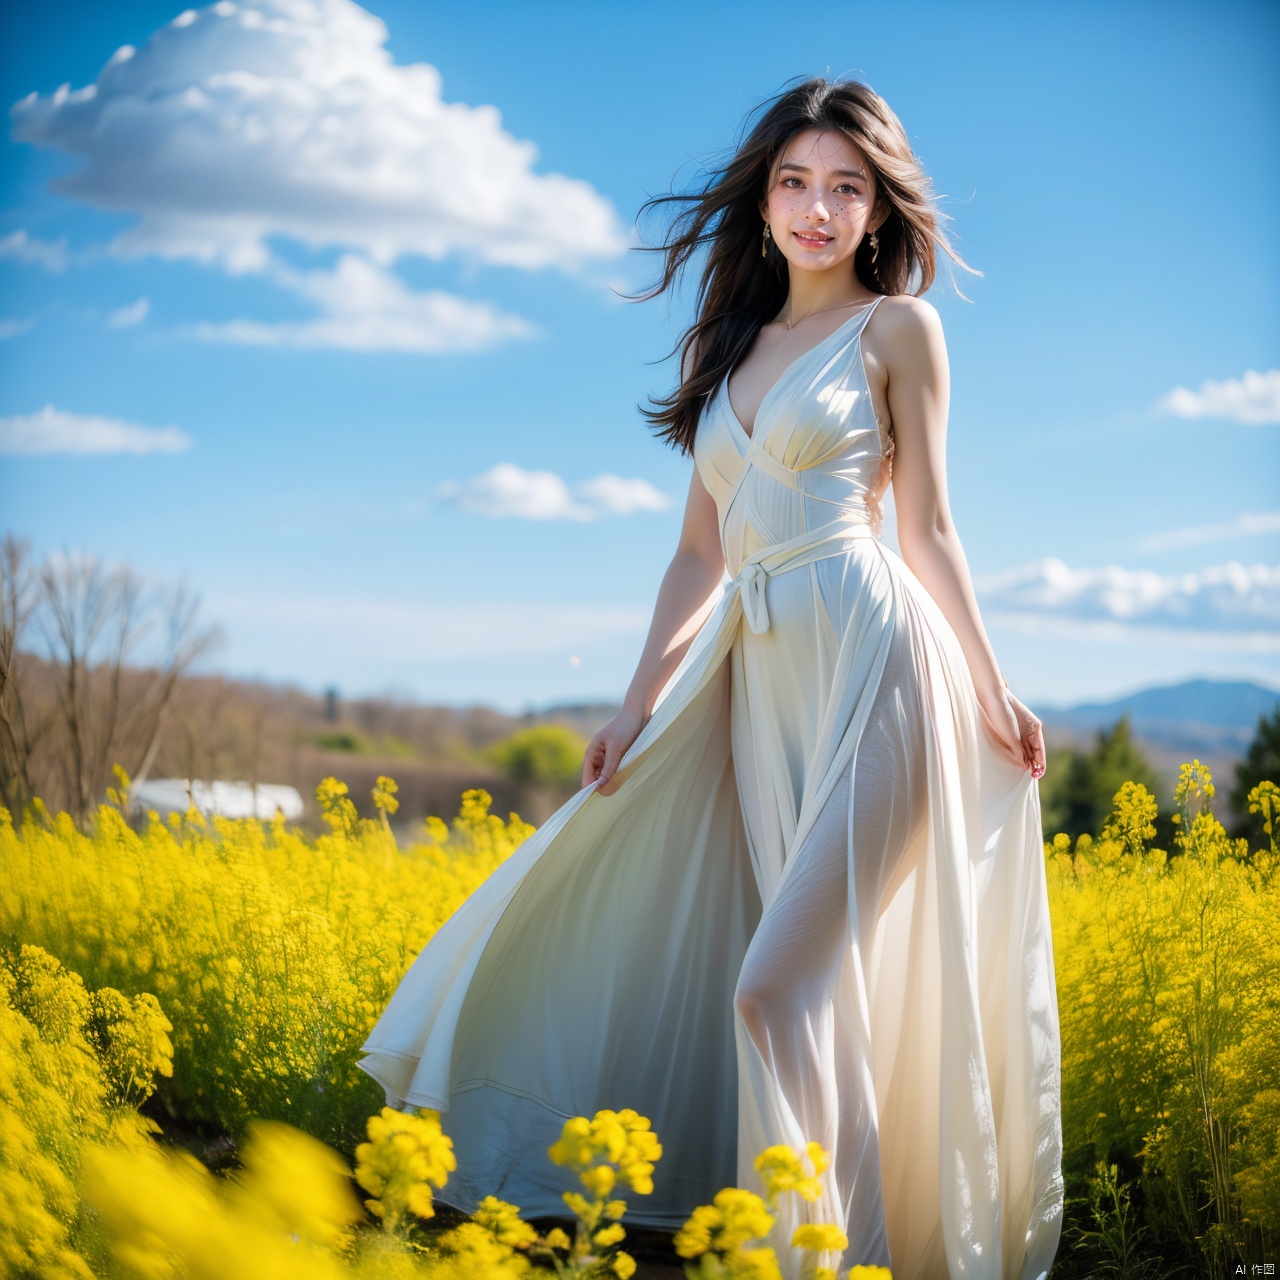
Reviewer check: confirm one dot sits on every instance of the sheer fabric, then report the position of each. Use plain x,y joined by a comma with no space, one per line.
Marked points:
815,910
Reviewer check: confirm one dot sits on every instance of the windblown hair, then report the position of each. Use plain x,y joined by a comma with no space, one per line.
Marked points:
739,291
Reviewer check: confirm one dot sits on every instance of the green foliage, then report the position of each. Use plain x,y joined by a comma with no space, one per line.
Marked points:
1261,763
1076,791
547,755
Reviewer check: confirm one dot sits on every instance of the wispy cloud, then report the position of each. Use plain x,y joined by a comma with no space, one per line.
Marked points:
1228,600
21,247
56,431
508,490
365,308
1246,524
1254,398
12,327
126,317
233,123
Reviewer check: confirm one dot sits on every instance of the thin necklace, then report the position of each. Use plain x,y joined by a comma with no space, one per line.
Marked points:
791,323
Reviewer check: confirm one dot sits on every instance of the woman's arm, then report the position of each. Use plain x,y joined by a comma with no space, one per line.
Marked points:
919,391
684,599
683,605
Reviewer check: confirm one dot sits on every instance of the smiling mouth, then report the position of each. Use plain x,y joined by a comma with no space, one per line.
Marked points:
812,237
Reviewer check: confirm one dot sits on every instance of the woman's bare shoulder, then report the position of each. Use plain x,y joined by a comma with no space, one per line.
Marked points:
905,313
905,330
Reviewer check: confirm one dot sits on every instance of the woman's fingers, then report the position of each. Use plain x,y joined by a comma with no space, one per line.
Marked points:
610,767
1033,743
593,760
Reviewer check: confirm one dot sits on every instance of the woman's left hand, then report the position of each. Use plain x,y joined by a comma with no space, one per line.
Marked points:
1019,731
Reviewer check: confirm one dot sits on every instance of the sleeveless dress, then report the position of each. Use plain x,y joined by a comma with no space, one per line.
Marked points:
815,910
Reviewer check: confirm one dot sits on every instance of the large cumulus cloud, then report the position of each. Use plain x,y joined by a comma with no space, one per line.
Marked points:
241,121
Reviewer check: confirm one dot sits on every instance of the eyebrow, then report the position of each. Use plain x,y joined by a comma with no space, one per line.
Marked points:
839,173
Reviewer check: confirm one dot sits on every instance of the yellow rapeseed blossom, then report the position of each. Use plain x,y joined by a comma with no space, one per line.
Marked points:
608,1147
335,808
1165,977
1264,799
622,1138
472,1252
384,795
271,952
406,1156
782,1168
611,1234
503,1221
733,1219
295,1186
819,1237
64,1083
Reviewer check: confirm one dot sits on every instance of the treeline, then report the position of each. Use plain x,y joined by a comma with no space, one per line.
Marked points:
99,667
1079,786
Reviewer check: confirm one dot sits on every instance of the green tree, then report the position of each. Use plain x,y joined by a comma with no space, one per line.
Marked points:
547,755
1079,786
1261,763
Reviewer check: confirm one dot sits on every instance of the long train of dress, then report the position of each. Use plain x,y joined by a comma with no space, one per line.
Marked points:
815,909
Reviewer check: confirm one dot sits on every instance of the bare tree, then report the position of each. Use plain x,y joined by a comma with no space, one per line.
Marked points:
20,729
93,619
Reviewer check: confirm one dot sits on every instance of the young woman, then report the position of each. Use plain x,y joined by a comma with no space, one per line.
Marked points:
800,896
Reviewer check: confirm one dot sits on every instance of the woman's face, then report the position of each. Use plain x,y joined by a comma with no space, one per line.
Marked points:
820,202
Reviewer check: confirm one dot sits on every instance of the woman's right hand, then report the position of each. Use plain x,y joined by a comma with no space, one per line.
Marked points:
608,747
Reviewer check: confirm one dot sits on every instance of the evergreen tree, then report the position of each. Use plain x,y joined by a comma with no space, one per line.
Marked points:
1261,763
1079,786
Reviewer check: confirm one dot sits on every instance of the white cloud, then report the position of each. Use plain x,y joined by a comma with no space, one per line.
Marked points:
50,254
11,328
508,490
1229,600
1252,399
127,317
1246,524
364,308
236,122
56,431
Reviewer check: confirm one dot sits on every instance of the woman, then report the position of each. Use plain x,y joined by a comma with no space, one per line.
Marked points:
800,895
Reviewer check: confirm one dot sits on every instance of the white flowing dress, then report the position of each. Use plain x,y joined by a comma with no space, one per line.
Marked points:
815,909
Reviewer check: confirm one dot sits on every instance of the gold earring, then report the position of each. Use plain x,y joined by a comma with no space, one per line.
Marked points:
764,243
875,247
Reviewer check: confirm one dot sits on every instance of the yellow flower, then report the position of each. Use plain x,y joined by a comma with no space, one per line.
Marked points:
819,1237
624,1265
384,795
733,1218
606,1236
405,1156
783,1169
503,1221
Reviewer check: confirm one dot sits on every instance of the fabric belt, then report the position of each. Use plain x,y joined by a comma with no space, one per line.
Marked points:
814,544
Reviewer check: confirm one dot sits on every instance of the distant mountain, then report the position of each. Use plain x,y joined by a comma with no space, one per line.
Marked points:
1207,716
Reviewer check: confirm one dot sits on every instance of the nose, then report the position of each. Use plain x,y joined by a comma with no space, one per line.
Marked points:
817,209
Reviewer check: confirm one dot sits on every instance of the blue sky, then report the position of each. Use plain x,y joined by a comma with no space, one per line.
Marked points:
316,314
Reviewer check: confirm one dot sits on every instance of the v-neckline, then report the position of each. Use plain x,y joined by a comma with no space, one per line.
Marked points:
777,382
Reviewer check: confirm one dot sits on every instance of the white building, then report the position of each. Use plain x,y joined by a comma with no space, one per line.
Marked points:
226,799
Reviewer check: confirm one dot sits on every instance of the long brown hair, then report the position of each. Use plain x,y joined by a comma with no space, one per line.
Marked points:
739,291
